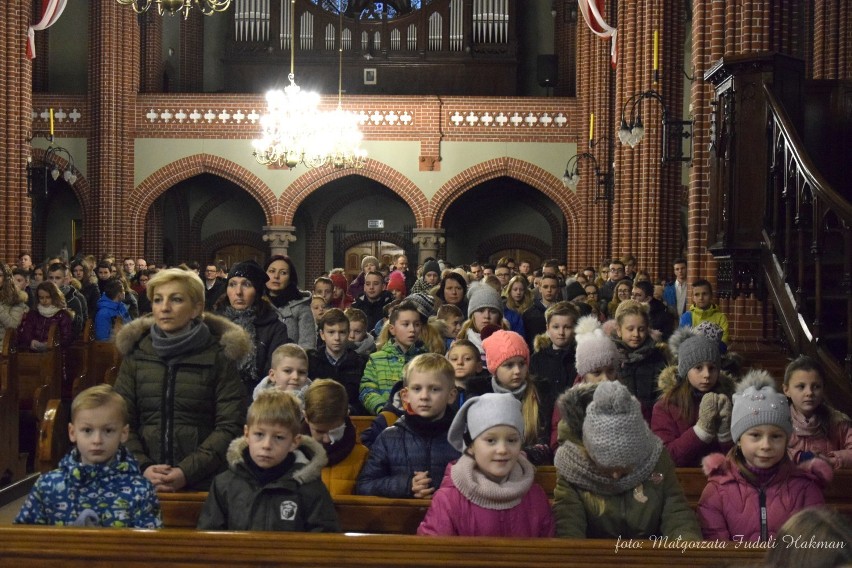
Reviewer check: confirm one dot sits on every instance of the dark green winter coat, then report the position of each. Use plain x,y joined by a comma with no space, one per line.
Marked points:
187,415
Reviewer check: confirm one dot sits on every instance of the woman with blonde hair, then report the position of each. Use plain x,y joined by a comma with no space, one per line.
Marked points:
13,302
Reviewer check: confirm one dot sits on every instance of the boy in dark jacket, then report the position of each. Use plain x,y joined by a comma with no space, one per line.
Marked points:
337,359
409,458
274,479
553,362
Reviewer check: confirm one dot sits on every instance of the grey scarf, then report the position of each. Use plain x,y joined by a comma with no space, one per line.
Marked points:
573,463
174,345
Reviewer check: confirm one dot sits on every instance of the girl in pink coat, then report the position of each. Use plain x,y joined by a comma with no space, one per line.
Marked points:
489,491
756,488
819,431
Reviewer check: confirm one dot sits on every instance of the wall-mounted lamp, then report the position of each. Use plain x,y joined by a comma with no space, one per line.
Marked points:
38,170
674,131
603,180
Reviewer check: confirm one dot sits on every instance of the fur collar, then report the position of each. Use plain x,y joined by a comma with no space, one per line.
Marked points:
668,381
572,406
235,342
310,454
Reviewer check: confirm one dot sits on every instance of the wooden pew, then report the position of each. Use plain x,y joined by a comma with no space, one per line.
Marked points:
93,548
361,423
104,361
53,441
77,363
40,375
12,465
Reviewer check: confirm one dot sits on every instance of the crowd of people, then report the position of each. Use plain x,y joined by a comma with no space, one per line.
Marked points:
236,381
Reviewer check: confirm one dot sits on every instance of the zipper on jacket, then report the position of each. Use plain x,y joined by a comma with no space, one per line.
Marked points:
764,528
168,415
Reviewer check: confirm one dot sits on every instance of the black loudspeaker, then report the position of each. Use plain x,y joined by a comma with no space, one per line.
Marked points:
547,74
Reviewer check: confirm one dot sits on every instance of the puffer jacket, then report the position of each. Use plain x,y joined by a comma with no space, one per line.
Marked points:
346,457
11,316
836,443
301,327
269,334
554,366
639,374
678,433
382,371
187,414
36,326
348,372
410,445
453,514
115,495
729,507
296,502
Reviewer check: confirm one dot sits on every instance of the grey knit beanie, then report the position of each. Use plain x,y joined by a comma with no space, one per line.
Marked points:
483,412
484,296
756,403
694,351
369,260
614,432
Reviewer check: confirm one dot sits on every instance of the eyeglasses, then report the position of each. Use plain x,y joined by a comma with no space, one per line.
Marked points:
616,269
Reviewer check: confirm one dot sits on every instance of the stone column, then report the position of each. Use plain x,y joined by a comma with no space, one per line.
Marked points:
279,238
428,243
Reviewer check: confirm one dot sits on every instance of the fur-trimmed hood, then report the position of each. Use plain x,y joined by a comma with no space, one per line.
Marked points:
235,341
310,454
541,342
572,406
668,380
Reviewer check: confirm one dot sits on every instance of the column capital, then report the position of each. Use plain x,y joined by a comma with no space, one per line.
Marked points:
428,241
279,238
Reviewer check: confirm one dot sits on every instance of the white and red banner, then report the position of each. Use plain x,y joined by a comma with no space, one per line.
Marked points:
50,12
591,10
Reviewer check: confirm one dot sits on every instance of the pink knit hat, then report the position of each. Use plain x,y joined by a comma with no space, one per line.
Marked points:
396,281
339,280
502,345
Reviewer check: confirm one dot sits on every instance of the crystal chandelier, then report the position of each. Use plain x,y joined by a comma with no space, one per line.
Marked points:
295,132
172,7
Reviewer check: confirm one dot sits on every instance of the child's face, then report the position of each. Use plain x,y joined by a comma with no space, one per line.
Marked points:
98,432
432,278
318,307
496,452
484,317
560,330
517,292
326,433
701,297
44,299
465,362
805,390
397,294
428,394
658,291
270,443
600,375
703,377
337,293
335,337
763,446
20,281
549,289
513,372
291,373
357,331
453,326
633,331
373,286
406,329
325,290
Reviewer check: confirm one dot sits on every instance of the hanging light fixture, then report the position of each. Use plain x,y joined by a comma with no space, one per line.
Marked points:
346,151
294,131
38,170
172,7
674,131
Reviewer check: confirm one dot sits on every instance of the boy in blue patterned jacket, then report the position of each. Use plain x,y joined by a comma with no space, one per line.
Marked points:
98,483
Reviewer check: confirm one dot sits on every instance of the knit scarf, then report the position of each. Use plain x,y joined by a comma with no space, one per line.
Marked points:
517,393
170,346
475,338
48,311
804,426
488,494
245,319
573,463
633,356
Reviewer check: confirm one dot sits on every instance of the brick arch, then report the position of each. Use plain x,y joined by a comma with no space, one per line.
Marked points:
532,175
82,191
231,237
514,240
143,195
299,190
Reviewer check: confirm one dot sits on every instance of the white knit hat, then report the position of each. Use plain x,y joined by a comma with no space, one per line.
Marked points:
483,412
595,350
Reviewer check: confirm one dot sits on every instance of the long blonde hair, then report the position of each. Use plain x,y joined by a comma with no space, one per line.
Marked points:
527,301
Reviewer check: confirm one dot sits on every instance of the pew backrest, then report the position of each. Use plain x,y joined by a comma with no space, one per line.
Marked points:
40,375
12,467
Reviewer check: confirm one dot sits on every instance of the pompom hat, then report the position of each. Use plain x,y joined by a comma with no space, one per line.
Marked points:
757,403
502,345
694,351
594,350
481,413
612,413
396,281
